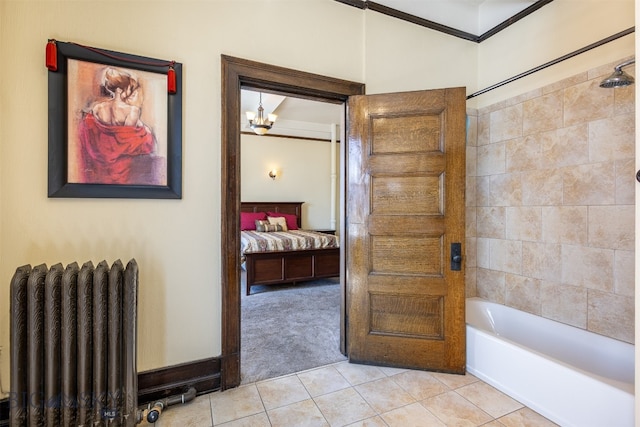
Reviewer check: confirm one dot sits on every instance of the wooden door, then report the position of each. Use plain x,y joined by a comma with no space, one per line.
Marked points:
405,208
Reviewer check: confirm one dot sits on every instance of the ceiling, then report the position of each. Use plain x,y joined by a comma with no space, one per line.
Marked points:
473,20
297,117
475,17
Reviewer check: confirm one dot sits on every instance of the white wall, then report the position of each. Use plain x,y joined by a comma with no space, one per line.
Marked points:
557,29
176,242
303,175
402,57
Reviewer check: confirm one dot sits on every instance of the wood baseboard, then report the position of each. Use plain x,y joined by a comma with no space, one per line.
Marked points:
157,384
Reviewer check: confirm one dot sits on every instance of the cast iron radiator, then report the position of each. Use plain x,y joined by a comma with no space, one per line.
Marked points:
73,345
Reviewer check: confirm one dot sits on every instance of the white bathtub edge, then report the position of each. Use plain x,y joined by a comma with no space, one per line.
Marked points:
526,376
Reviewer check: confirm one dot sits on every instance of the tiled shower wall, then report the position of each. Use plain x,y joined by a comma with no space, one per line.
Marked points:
551,205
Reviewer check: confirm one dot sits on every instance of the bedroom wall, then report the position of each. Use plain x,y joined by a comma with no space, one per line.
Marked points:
173,239
303,175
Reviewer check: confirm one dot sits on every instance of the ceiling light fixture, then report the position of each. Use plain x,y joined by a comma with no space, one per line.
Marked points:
260,125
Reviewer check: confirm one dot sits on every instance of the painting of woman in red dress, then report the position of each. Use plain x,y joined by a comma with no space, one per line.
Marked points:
114,143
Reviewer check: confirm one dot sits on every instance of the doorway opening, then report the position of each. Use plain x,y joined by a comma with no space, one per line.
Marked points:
290,311
237,73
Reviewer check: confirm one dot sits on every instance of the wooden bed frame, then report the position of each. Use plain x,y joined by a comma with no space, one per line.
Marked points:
273,268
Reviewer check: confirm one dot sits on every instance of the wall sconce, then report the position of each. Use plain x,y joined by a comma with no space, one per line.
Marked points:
273,174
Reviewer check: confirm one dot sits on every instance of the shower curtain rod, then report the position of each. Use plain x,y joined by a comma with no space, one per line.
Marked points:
555,61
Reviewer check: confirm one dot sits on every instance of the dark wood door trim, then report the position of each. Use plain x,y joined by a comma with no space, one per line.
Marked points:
237,73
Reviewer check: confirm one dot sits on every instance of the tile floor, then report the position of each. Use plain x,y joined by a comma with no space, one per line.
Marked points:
345,394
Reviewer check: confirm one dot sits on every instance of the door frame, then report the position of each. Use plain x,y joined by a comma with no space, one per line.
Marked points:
238,73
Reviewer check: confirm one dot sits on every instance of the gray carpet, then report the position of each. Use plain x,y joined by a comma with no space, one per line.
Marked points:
289,328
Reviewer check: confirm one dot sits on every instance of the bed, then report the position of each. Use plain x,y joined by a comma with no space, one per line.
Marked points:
278,263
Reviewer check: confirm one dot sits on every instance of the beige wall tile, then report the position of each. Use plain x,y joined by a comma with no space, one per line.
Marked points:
592,184
626,181
564,303
491,285
484,125
471,252
612,138
556,177
611,315
472,129
565,83
491,159
624,269
523,154
483,185
565,146
506,255
500,105
541,260
624,97
586,101
542,113
523,293
524,223
522,98
471,191
564,224
506,123
470,221
588,267
483,252
505,190
612,227
491,222
472,161
542,188
470,280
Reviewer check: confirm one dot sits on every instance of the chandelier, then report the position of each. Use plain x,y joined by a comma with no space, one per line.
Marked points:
260,125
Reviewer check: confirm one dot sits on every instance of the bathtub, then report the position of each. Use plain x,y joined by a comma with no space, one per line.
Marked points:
570,376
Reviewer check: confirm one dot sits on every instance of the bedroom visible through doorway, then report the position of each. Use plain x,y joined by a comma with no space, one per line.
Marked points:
291,327
238,73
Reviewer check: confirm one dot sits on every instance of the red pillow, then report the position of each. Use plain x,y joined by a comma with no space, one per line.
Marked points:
291,219
248,219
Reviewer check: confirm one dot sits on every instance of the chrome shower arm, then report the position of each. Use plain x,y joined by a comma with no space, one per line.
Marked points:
624,64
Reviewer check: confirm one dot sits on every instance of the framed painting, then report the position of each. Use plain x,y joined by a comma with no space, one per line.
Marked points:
115,124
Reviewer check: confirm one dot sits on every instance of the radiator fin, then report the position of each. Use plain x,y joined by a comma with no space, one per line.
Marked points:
73,345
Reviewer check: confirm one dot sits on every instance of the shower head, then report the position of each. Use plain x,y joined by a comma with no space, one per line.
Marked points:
619,78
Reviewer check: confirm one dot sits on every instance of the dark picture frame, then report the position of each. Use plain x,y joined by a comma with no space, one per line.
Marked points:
66,143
